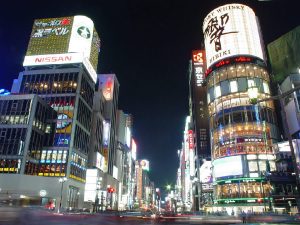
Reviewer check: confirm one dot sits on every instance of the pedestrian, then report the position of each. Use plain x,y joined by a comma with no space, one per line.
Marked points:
244,217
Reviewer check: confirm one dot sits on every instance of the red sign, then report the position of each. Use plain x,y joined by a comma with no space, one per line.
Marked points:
198,57
191,139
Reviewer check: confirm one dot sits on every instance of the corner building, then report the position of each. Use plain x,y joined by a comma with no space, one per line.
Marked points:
60,67
241,134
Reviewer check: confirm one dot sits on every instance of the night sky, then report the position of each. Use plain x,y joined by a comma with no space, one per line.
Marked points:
147,44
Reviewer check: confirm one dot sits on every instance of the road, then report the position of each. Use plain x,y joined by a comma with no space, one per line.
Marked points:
10,216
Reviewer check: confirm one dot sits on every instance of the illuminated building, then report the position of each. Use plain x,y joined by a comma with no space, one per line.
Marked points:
241,134
27,126
187,170
199,126
60,66
124,160
144,187
108,85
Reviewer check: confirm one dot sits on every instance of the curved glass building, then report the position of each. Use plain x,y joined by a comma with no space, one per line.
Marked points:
241,133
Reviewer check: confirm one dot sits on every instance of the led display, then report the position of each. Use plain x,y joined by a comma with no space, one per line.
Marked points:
64,40
231,30
107,86
228,166
144,164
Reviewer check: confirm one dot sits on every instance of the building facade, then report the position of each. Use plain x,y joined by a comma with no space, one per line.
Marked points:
60,65
241,134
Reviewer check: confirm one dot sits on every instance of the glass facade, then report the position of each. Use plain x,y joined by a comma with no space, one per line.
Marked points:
22,118
238,128
69,92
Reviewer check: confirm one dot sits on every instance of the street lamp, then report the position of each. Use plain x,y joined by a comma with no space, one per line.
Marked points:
61,180
253,94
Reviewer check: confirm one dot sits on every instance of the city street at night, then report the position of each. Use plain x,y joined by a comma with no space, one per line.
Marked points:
158,112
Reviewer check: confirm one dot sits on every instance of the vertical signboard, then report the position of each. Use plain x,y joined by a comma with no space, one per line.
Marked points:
199,93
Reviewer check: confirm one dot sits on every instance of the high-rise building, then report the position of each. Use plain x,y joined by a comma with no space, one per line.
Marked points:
143,184
199,126
241,134
108,85
125,166
60,66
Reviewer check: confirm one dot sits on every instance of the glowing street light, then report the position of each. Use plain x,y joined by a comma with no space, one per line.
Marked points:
168,187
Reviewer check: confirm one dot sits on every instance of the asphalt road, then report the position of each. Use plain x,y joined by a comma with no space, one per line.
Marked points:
22,216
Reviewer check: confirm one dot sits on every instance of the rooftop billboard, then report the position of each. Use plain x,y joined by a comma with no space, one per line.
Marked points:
64,35
231,30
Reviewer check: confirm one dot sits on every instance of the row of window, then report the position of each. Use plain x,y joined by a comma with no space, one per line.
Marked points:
85,115
249,148
12,141
49,83
242,190
227,87
236,100
82,140
10,165
15,107
236,71
58,169
80,161
54,156
77,172
243,115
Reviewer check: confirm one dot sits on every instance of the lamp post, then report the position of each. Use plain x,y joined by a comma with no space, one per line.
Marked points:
168,187
253,94
158,199
61,180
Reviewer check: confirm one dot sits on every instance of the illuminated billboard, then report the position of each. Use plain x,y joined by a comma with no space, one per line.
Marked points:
228,166
191,139
206,172
64,36
128,136
231,30
64,116
133,149
106,133
144,164
106,83
198,59
100,161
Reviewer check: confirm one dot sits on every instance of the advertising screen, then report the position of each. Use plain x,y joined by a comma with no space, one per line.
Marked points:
231,30
90,185
145,164
63,40
206,172
133,149
100,161
106,133
64,116
107,85
50,36
228,166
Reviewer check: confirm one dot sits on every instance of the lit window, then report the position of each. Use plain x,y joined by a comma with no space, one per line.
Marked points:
233,86
218,91
266,88
251,83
